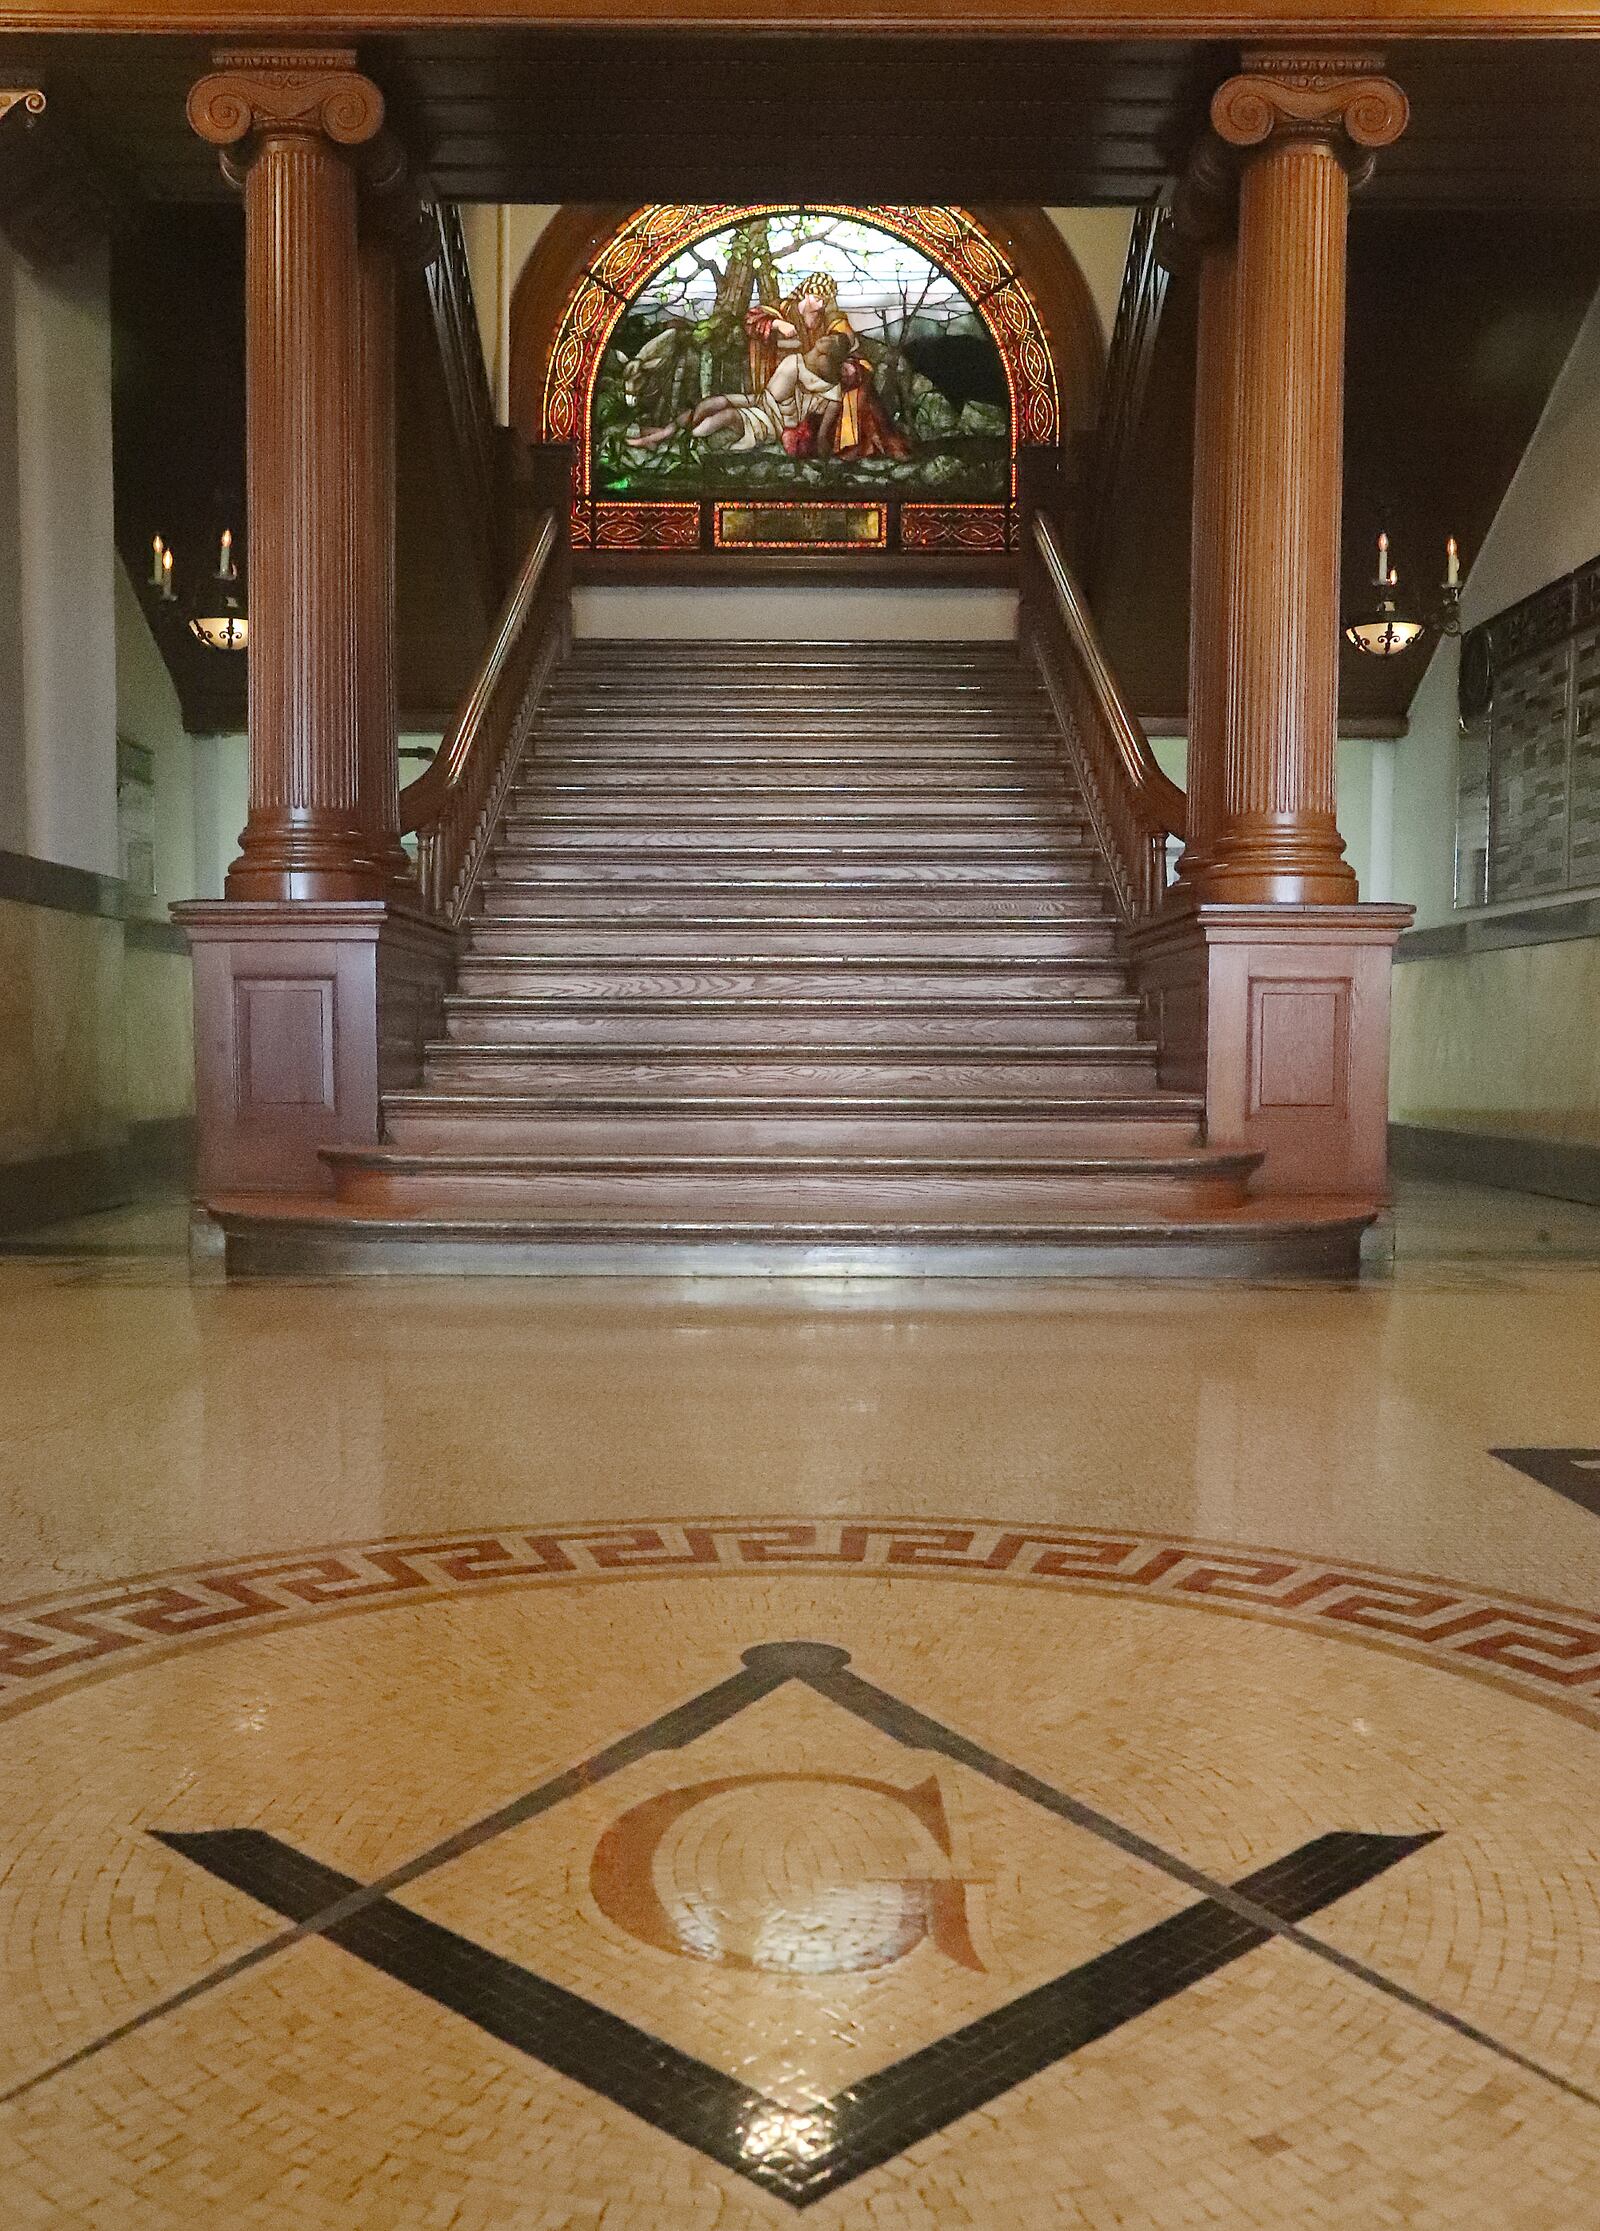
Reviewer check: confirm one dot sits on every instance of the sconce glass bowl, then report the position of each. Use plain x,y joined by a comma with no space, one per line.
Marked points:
1384,631
225,628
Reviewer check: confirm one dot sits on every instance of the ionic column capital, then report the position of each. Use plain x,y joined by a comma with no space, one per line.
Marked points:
1344,101
256,94
28,98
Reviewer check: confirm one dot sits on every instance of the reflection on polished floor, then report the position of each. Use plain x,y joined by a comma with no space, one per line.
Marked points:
538,1755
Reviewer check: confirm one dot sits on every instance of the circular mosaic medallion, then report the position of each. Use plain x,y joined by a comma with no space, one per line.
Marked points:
703,1875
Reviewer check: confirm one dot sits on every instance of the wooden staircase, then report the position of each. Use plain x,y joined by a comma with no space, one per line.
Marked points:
796,957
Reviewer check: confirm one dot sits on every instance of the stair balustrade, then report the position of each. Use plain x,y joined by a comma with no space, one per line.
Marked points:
1135,808
454,806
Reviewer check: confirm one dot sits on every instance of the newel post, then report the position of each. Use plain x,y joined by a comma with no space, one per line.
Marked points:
1267,979
317,979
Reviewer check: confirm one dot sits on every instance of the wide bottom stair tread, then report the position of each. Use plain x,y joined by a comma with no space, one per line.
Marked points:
1259,1238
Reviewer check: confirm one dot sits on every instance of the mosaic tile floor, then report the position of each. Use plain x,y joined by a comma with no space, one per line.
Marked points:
517,1757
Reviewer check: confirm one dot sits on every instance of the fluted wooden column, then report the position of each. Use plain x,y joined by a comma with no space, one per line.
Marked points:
290,123
1300,126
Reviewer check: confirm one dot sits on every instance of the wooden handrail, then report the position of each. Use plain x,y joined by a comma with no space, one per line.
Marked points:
454,803
1134,806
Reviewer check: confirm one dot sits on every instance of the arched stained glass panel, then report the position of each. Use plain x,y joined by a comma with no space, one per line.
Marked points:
772,377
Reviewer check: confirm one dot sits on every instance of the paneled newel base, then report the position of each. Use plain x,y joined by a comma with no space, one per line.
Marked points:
304,1014
1279,1016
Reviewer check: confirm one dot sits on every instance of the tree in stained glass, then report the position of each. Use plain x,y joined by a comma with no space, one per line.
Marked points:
796,352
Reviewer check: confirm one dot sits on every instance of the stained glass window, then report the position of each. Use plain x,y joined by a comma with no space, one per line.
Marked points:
732,359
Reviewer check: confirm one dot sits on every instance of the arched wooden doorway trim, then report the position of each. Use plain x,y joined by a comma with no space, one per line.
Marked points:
558,308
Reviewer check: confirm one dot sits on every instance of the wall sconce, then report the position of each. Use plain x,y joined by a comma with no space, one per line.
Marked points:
1384,627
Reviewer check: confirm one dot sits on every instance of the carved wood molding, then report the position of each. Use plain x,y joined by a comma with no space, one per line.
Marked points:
262,93
1343,100
1431,20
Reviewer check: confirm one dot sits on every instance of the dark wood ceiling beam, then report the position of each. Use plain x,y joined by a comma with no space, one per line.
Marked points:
563,113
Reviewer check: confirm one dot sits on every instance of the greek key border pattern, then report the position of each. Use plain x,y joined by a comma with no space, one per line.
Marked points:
1541,1651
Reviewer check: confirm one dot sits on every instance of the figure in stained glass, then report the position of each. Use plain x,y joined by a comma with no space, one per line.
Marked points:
811,387
801,352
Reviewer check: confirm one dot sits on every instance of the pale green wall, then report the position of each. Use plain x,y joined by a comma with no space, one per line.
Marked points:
1548,523
148,714
58,740
221,796
1099,240
1503,1041
95,1034
1424,796
500,239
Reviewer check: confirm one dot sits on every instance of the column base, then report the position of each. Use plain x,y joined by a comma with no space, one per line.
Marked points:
317,855
304,1015
1279,1017
1274,860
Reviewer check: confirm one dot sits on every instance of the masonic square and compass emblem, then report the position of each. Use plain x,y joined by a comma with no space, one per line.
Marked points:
807,1928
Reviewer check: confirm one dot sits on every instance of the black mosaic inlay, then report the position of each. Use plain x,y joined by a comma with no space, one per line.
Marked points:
799,2155
1574,1473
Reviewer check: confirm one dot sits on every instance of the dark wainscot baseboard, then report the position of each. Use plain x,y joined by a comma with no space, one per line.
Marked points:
152,1159
1555,924
1563,1169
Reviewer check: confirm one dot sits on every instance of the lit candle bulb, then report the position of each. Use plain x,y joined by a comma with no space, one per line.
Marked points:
1383,561
156,548
1452,564
167,591
225,561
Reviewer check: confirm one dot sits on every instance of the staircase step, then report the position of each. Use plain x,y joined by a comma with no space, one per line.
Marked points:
902,907
693,874
611,653
815,838
873,688
826,1070
1090,940
820,812
837,983
1294,1237
1150,1124
707,758
792,786
711,1188
952,733
727,1025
